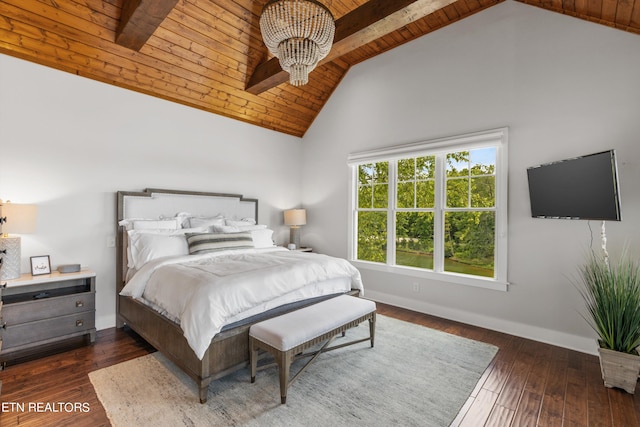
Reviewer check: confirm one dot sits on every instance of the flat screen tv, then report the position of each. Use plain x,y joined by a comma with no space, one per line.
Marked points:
584,187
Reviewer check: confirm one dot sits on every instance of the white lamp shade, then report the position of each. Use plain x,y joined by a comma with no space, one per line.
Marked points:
21,219
295,217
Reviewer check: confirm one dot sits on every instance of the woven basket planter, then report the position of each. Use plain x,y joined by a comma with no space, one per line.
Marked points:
619,369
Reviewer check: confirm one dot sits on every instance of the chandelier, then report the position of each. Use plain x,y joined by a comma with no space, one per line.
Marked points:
299,33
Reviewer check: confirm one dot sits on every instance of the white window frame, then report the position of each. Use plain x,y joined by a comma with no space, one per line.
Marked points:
497,138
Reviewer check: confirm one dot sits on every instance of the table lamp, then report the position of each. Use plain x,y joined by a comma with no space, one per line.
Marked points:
295,218
19,219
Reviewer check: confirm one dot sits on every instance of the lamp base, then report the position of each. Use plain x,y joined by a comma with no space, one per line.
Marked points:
294,236
10,268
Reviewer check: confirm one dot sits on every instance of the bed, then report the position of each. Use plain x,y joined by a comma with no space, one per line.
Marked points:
151,262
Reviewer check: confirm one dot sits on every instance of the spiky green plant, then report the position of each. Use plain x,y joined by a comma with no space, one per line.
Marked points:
611,292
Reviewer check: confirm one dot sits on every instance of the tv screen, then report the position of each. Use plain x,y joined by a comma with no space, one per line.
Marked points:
583,187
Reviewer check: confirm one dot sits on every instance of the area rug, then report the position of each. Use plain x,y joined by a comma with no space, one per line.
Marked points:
412,376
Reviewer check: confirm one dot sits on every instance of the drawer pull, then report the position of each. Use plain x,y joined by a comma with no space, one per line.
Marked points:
4,325
4,285
79,303
79,322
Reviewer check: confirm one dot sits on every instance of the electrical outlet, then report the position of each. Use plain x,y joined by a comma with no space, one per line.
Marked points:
111,242
416,287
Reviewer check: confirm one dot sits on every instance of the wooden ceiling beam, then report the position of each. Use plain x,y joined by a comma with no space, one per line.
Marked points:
139,20
372,20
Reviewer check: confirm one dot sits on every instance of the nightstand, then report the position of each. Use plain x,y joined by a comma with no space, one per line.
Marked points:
36,311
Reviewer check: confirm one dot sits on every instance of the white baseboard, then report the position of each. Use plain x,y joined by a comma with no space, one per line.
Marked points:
548,336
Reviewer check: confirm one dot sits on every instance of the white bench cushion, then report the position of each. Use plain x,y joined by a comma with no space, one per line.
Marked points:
297,327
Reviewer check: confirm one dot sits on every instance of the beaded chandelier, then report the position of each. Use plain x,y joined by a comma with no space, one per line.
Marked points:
299,33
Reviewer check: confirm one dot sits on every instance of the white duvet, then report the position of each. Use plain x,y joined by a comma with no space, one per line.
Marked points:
205,292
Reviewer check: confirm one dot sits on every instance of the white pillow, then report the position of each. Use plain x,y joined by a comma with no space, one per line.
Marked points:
151,224
195,221
147,245
241,223
252,227
262,238
183,217
237,228
225,229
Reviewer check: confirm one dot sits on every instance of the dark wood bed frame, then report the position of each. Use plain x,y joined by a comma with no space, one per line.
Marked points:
229,349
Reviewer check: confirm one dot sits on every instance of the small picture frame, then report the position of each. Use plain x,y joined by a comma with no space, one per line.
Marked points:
40,265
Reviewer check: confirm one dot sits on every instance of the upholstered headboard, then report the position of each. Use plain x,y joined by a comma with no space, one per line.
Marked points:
154,203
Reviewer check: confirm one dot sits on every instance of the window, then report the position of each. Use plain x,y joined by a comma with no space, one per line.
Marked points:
433,209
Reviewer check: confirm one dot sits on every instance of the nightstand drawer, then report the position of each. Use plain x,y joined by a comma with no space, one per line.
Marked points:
43,330
46,308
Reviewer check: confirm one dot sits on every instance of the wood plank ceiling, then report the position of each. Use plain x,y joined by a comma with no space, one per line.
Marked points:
208,54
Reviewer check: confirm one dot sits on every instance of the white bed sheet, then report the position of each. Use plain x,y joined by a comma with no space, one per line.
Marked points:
205,292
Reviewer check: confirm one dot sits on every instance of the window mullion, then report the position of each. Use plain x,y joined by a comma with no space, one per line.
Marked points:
391,213
438,214
469,175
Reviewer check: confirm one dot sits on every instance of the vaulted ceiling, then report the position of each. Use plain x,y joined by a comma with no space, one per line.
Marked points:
209,54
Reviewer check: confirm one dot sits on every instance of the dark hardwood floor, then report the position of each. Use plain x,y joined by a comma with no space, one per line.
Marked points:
527,384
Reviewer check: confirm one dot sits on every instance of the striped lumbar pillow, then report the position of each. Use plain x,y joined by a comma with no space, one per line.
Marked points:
210,242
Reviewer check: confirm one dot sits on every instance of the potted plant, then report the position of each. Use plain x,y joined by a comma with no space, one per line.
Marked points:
611,292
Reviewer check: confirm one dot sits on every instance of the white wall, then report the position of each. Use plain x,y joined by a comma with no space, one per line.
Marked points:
68,144
563,86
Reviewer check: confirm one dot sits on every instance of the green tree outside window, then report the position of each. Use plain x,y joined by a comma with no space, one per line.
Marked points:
373,196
